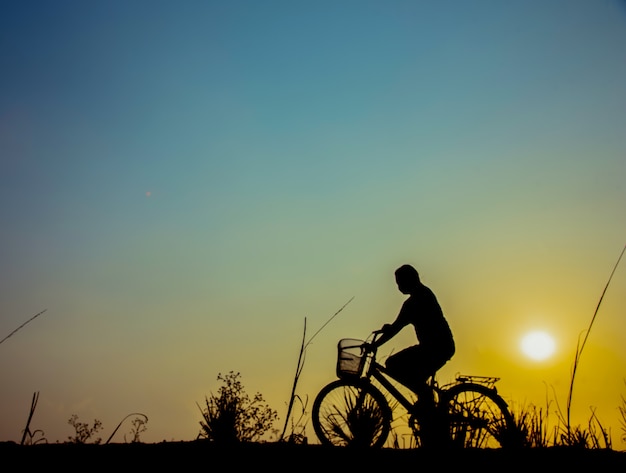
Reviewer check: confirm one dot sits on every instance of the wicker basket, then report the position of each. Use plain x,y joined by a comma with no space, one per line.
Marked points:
350,358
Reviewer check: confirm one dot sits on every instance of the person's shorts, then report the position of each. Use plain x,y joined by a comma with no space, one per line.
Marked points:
414,365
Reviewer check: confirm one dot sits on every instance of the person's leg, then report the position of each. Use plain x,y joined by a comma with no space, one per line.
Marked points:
400,366
412,367
433,428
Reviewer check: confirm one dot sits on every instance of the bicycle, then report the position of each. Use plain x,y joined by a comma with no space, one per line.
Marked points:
354,411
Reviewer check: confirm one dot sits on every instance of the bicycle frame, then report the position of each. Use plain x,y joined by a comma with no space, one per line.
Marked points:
379,373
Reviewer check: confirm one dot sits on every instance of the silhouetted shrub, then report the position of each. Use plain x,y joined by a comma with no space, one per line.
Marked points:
230,416
83,431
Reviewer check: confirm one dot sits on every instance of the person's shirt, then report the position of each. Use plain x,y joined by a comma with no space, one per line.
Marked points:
422,310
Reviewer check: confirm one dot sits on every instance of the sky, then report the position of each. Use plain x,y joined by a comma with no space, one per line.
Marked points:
191,188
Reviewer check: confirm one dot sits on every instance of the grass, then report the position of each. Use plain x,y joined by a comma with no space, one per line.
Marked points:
359,422
622,417
574,434
537,430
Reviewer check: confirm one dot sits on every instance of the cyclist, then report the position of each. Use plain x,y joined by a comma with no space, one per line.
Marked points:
414,365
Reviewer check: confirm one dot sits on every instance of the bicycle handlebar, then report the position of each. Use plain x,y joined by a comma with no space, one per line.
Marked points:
369,344
375,335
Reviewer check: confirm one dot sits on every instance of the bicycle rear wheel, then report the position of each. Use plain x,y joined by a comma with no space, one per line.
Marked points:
479,417
351,413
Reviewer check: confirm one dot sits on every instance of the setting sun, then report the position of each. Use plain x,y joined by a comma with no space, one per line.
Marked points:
538,345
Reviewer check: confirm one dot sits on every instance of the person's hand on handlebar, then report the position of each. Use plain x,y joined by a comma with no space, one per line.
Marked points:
370,345
381,335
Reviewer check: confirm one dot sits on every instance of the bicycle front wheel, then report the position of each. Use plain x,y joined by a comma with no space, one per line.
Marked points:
479,417
351,413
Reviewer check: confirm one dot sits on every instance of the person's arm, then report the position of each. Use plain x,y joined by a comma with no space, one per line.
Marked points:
388,331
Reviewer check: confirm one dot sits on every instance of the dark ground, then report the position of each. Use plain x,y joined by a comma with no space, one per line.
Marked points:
197,456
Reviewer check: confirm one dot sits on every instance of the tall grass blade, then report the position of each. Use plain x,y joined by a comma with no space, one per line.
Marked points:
295,381
300,364
581,345
33,405
18,328
145,417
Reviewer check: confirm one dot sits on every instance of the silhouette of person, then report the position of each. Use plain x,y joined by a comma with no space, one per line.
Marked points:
413,366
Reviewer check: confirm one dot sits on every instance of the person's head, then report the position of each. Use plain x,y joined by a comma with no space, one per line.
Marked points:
407,278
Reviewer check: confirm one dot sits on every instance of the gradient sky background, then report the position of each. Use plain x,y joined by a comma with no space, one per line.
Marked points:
183,183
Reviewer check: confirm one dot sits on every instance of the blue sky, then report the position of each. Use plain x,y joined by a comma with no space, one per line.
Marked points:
182,183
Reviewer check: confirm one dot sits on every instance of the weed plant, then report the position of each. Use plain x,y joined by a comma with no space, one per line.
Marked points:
84,432
231,416
361,424
532,423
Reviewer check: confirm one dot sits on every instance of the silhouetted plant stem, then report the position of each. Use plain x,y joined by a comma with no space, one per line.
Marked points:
122,421
33,405
300,363
29,320
295,381
580,346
